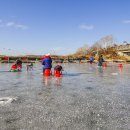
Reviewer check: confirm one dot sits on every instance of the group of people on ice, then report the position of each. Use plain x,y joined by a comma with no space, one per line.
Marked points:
47,65
100,60
17,66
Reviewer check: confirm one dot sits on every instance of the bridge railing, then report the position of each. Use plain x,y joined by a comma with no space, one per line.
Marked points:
123,47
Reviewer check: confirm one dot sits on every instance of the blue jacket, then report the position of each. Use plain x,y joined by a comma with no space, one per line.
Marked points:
91,59
47,62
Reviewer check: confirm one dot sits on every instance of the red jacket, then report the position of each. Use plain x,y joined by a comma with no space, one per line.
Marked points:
14,66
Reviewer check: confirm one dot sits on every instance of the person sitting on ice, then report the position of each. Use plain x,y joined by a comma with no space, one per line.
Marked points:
58,70
19,64
58,67
14,67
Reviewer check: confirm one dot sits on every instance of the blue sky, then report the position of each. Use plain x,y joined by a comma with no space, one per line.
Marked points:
60,26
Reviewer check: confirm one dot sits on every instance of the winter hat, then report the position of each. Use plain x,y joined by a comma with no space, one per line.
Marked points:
48,54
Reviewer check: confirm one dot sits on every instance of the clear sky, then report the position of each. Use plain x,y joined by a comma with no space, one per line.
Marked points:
60,26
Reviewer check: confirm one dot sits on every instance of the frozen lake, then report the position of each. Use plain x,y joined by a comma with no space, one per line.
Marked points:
84,98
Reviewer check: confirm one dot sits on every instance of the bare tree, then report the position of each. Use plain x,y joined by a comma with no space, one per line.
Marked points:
105,42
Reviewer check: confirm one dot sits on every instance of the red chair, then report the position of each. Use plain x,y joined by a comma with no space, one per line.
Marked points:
57,73
14,67
47,72
104,65
120,65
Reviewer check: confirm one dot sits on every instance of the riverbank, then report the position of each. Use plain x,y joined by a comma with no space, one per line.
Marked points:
70,61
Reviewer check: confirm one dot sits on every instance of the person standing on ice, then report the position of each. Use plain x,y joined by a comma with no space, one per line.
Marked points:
47,62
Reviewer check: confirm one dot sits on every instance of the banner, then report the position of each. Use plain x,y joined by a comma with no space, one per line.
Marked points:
6,58
24,58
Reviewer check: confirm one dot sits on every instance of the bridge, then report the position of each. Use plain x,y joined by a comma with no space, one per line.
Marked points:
124,49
